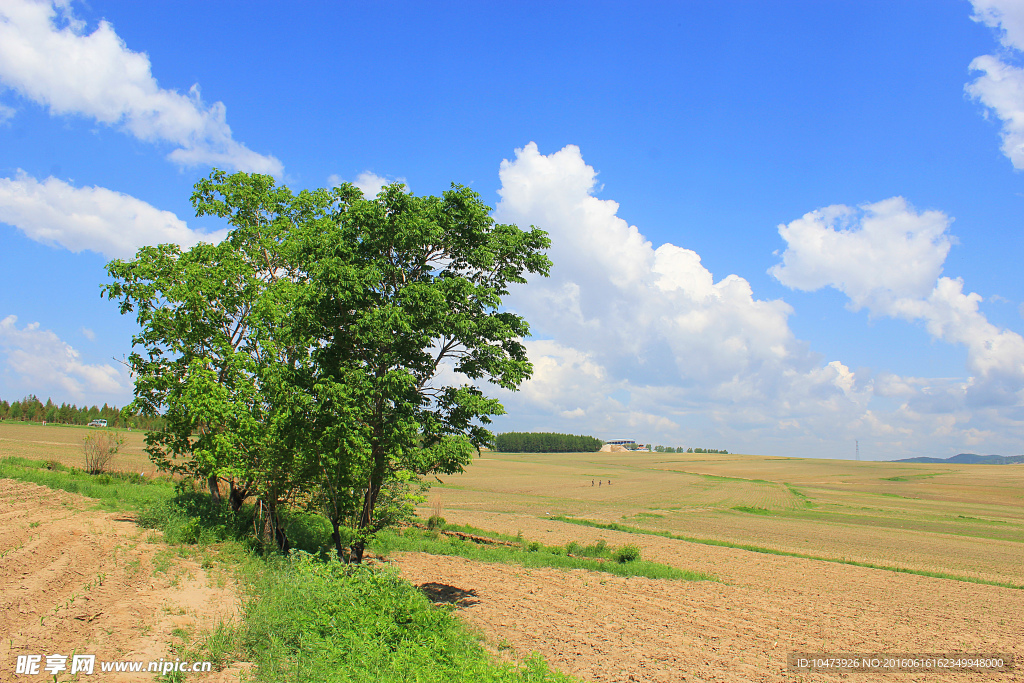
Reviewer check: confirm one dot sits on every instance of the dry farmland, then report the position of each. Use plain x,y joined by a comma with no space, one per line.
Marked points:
957,520
781,536
63,443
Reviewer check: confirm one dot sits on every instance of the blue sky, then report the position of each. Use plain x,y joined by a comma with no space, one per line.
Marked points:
778,227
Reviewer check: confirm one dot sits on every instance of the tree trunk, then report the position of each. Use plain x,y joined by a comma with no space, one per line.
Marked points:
273,531
214,483
237,496
336,535
369,502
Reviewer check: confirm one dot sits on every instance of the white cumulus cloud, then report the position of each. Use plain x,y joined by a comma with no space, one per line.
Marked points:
1006,16
47,364
46,56
638,340
888,258
90,218
627,317
1000,84
368,182
874,254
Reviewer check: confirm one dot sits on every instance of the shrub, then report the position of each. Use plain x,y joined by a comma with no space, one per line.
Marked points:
99,450
627,553
435,522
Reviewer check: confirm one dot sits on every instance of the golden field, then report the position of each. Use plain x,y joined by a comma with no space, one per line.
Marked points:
63,443
966,520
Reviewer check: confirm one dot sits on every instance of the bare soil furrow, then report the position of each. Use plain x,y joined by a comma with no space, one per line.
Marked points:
87,583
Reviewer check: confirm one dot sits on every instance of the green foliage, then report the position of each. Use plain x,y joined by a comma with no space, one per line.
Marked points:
545,442
296,360
401,287
31,409
307,620
206,357
435,522
627,553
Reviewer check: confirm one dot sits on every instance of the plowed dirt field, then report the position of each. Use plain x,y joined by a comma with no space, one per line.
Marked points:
74,579
605,628
77,580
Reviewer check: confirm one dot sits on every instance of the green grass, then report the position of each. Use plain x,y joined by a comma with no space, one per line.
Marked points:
612,526
113,491
752,510
598,557
801,495
309,620
913,477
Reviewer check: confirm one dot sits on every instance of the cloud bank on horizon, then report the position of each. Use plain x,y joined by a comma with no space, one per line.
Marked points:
51,362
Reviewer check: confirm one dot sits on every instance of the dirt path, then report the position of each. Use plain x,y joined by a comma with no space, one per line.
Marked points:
604,628
77,580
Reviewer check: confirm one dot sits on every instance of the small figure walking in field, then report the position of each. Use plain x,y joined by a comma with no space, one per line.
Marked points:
609,482
591,482
599,483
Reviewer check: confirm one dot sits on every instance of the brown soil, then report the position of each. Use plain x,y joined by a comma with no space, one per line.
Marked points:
741,628
77,580
74,579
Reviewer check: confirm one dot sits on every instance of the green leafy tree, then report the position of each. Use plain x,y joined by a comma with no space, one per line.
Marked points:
206,359
299,358
401,288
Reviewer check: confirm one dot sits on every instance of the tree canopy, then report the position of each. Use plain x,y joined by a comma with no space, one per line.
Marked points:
331,348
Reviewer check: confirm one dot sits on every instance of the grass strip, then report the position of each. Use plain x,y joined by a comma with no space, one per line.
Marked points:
532,555
114,491
310,620
612,526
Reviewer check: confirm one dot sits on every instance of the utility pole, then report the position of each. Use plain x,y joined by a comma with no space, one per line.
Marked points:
855,441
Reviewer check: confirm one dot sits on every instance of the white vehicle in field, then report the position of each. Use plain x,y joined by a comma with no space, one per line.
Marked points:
98,423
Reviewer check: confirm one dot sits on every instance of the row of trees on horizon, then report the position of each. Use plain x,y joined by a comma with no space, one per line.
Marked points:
680,449
32,409
554,442
545,442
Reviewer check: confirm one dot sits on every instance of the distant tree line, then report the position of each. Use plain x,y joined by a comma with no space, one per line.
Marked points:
545,442
680,449
31,409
